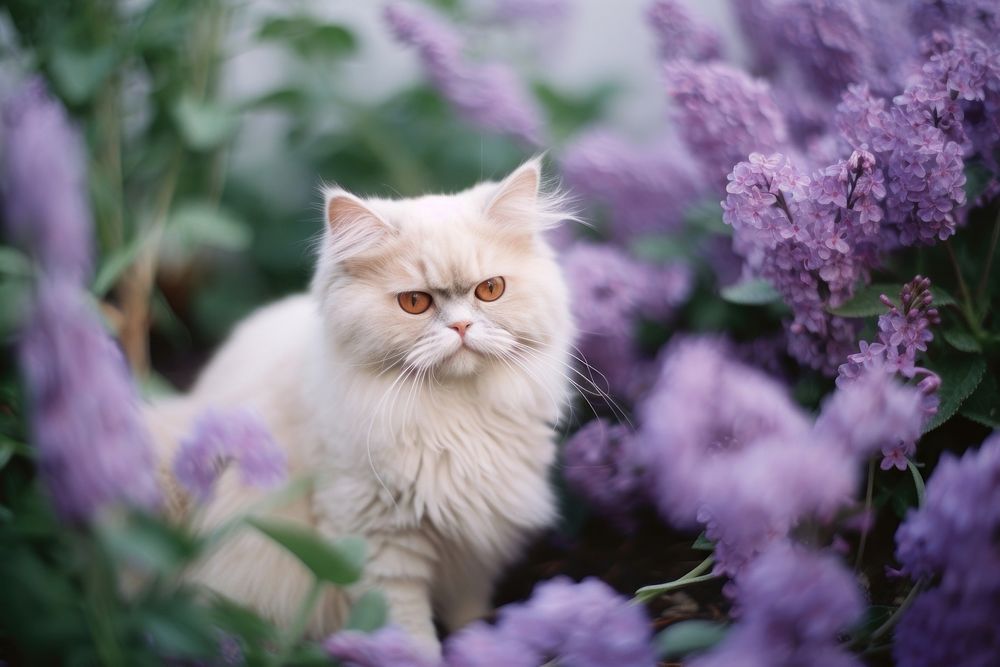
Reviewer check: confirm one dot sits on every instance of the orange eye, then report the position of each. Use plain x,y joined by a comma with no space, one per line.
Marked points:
414,302
490,289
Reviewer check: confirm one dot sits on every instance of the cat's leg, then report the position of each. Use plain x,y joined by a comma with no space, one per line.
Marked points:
400,564
463,588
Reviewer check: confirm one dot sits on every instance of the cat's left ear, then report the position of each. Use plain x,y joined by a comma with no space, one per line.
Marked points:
515,203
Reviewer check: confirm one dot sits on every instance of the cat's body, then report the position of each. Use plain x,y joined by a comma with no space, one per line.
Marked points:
429,434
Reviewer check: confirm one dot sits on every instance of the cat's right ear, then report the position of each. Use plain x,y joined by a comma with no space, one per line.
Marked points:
353,228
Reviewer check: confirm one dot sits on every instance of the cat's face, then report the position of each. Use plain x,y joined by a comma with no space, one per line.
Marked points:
444,285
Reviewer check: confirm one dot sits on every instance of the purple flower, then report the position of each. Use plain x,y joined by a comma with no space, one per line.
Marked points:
725,114
44,183
613,292
223,437
678,36
582,624
645,188
93,448
793,604
600,461
387,646
489,95
482,645
952,538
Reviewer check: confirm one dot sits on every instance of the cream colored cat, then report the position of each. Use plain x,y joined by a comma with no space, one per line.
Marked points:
419,381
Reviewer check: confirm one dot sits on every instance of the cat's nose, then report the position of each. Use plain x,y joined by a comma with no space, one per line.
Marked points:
460,327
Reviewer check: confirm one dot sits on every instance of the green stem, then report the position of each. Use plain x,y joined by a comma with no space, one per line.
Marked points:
693,577
868,507
896,615
984,279
298,627
968,310
918,482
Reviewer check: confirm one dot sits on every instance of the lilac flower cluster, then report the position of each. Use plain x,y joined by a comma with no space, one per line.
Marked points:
726,114
220,438
583,624
489,95
601,462
44,184
953,538
793,604
728,448
813,238
645,188
93,450
678,36
903,331
613,293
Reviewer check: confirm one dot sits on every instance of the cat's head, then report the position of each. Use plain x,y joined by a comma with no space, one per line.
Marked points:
444,284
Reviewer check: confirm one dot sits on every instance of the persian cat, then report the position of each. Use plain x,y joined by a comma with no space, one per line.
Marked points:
419,383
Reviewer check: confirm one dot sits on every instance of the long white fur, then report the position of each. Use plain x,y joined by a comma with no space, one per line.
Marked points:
437,455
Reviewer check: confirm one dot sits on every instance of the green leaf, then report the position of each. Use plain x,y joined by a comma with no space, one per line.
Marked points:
962,340
569,112
148,542
960,375
292,99
686,637
983,405
754,292
194,223
78,74
369,613
659,248
977,177
338,562
204,125
15,298
14,263
707,217
308,37
867,300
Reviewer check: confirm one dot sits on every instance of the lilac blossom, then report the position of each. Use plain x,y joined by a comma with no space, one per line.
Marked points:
902,333
387,646
678,35
726,114
601,462
645,188
583,624
489,94
952,538
222,437
727,448
482,645
812,237
93,449
614,292
793,605
43,182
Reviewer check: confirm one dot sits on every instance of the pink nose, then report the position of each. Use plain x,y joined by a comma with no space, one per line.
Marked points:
460,327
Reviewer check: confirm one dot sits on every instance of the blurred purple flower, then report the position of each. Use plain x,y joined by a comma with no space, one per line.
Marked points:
646,188
489,95
43,183
613,293
220,438
723,114
601,462
793,604
952,538
387,646
583,624
678,36
509,11
93,448
482,645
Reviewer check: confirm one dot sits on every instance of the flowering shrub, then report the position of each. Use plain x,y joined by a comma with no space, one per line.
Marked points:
786,298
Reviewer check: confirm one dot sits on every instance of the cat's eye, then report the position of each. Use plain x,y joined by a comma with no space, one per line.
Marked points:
414,302
490,289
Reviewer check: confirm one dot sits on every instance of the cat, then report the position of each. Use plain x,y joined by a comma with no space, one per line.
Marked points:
419,382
